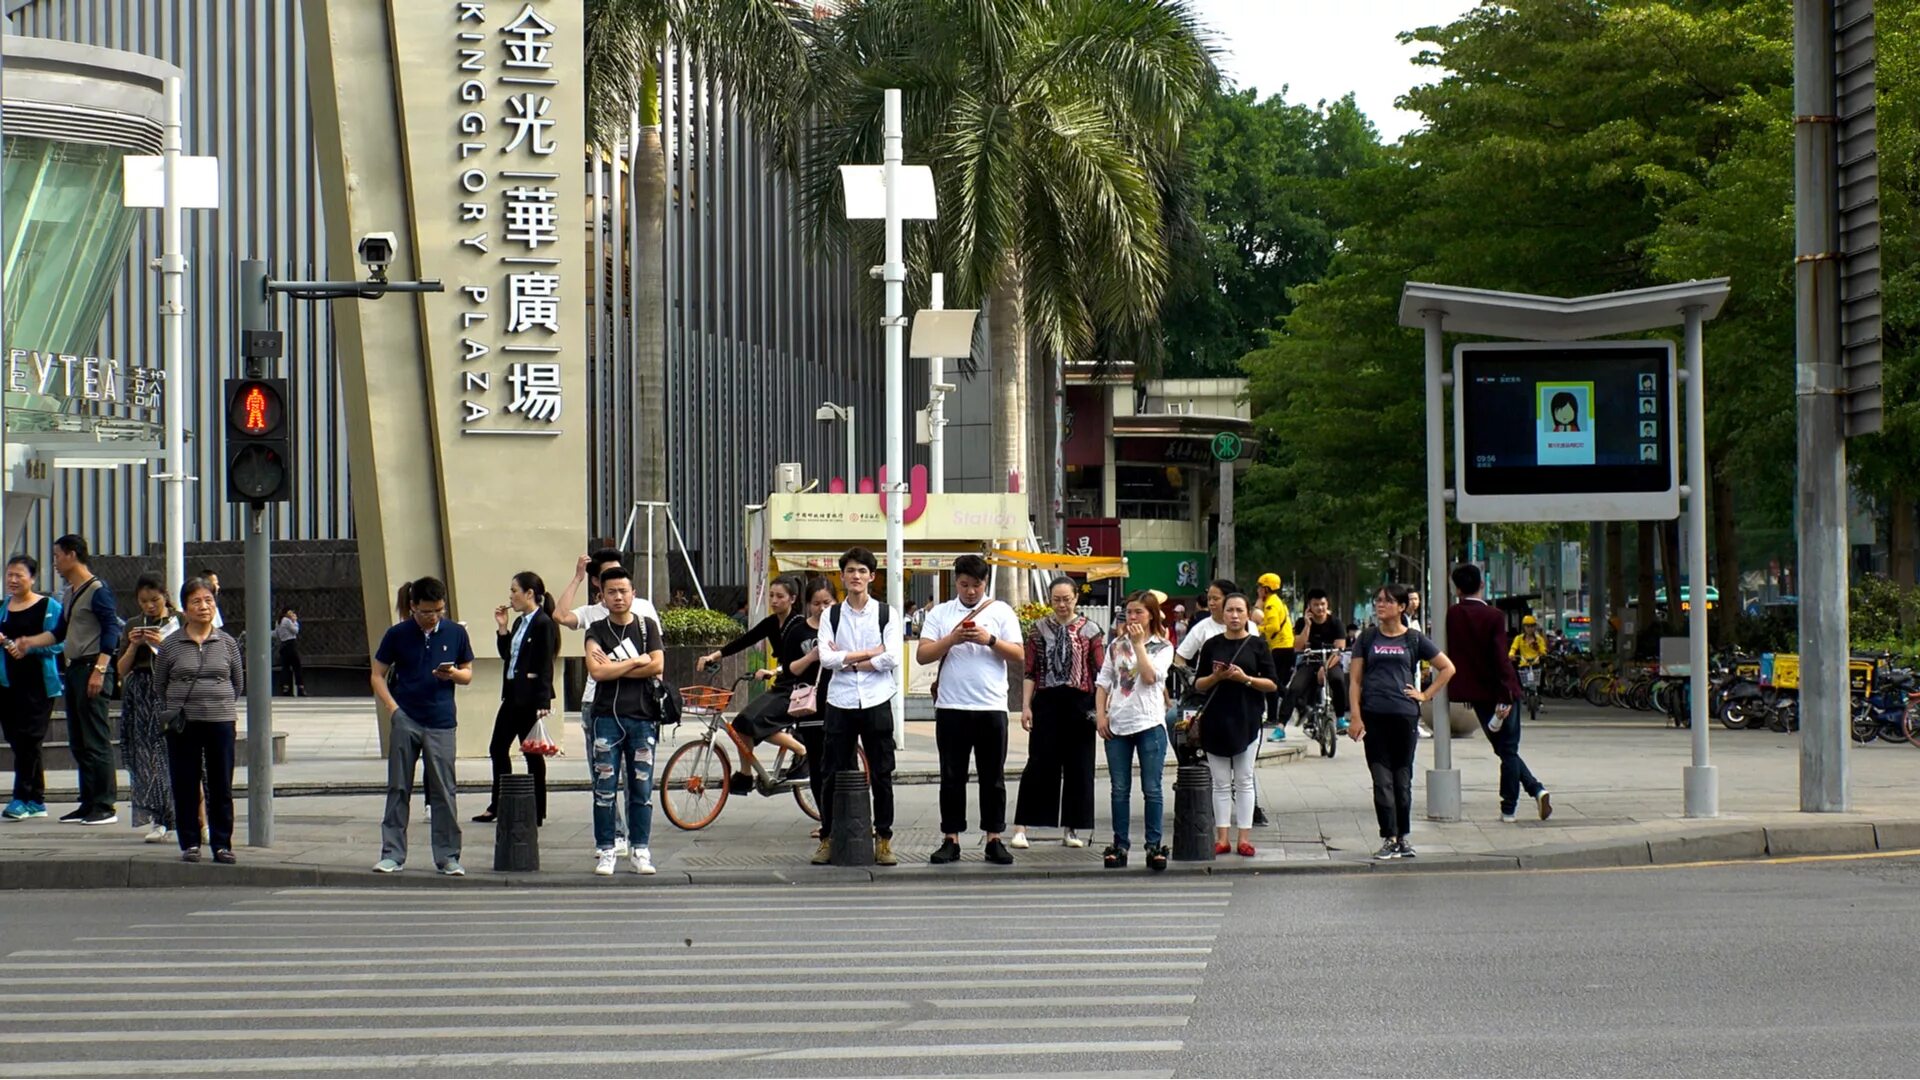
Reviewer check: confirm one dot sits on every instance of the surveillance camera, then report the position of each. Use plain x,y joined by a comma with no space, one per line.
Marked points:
376,253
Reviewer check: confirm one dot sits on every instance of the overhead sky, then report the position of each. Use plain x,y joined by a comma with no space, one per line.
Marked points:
1324,49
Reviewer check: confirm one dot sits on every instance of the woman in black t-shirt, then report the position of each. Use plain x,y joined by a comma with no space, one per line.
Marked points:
1386,708
1237,672
765,717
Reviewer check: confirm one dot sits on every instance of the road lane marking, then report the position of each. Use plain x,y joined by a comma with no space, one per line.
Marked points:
392,959
416,990
561,973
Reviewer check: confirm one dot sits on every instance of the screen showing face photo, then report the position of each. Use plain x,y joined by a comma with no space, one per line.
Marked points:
1558,419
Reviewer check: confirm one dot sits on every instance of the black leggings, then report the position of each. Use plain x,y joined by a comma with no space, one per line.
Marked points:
1391,742
25,721
511,724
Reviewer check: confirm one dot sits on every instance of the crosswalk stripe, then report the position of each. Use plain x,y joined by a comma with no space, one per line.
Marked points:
388,954
421,987
397,1064
878,890
824,937
610,951
656,912
575,972
537,1009
632,918
579,1031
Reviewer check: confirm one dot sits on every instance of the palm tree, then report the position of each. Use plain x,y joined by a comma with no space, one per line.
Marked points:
761,51
1053,129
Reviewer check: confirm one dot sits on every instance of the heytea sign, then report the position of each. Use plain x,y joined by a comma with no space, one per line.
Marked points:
510,215
1576,431
83,378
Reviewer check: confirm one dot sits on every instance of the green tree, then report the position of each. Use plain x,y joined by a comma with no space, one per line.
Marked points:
1560,138
1053,129
1260,172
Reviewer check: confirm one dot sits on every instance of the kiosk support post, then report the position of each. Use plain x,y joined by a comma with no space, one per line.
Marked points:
1443,780
1702,782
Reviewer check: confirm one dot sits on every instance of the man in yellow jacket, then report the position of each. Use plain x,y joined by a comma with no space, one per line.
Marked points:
1276,625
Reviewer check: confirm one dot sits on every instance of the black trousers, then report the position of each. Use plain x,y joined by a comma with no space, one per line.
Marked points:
1304,690
979,734
203,754
1056,787
1282,671
290,663
872,729
25,722
510,725
1391,742
91,738
1514,773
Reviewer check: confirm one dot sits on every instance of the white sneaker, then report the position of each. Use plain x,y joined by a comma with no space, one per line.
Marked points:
1508,818
605,867
1426,732
620,848
642,861
1073,839
157,834
1019,840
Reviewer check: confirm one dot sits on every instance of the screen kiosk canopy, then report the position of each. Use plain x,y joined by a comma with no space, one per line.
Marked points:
1565,431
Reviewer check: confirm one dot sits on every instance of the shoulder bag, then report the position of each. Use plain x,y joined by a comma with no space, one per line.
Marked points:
1189,726
173,719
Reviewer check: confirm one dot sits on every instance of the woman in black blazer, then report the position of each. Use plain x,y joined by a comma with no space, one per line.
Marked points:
526,687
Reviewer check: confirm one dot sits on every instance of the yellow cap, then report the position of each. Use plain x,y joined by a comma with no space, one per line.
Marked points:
1529,621
1159,597
1270,581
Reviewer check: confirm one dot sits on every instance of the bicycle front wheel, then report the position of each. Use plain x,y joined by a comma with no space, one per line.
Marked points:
693,789
1913,723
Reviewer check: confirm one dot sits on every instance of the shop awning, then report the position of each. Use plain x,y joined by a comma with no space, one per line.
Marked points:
1096,567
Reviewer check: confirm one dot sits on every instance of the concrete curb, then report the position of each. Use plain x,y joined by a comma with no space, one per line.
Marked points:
39,871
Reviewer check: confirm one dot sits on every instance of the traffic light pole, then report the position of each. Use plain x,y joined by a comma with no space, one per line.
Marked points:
256,289
254,315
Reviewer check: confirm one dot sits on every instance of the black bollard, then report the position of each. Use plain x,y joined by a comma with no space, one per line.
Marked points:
1193,814
516,832
852,819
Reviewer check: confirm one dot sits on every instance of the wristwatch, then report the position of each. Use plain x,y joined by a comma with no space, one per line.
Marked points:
992,640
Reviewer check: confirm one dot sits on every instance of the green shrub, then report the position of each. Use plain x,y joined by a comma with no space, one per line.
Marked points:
697,626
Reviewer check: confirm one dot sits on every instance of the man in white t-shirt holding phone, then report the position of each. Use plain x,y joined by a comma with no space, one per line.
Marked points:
587,570
973,638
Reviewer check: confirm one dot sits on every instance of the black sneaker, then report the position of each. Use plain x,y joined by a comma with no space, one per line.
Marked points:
1406,849
798,770
74,818
740,784
1260,818
1388,850
997,853
948,852
100,817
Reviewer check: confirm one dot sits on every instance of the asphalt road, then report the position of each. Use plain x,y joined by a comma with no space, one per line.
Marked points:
1800,968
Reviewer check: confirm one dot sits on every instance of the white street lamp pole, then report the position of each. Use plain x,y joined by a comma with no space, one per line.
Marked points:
894,273
173,318
937,405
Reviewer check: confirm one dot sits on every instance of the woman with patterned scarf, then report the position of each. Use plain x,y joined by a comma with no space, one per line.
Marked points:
1063,656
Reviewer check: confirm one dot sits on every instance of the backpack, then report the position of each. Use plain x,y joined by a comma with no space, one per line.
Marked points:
833,617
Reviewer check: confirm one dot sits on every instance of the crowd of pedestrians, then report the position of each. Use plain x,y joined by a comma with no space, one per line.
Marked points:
833,674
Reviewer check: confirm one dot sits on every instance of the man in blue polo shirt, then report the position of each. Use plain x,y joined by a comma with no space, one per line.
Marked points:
419,662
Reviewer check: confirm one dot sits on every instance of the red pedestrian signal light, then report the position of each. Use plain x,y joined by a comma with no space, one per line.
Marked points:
259,456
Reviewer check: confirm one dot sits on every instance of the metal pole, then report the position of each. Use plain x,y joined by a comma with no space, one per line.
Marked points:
173,321
6,460
853,461
1822,519
259,551
1702,783
1227,553
652,578
894,273
937,407
1443,780
1059,441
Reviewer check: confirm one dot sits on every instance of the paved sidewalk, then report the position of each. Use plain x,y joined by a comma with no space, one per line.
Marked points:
1615,779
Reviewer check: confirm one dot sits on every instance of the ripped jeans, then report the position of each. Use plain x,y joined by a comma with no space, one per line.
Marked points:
615,737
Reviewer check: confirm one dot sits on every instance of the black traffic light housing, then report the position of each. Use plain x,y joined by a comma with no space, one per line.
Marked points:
259,452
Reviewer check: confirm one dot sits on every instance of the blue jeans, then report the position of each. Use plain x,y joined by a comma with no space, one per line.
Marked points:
1151,746
616,739
1514,773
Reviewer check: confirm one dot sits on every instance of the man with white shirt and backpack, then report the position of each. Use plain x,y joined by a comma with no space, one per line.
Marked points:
973,638
860,643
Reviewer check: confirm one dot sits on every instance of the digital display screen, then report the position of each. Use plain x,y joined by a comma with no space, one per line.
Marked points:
1566,419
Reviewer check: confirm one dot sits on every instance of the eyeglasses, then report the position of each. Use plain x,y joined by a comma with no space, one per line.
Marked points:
423,614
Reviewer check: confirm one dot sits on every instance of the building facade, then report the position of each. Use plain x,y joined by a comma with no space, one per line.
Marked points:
759,330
